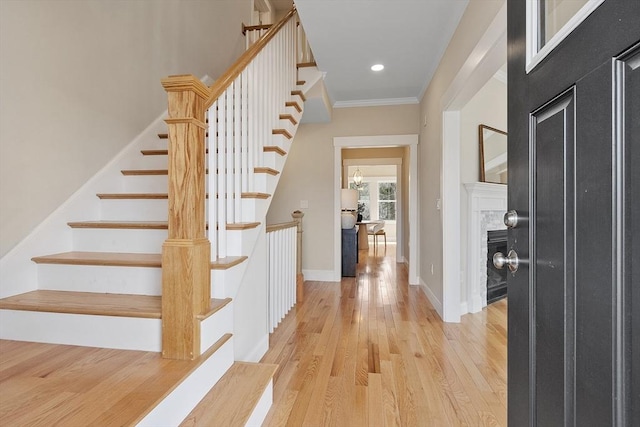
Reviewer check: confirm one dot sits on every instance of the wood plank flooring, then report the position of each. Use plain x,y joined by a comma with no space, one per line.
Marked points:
62,385
372,351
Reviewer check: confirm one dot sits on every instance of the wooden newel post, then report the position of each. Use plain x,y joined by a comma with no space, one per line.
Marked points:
186,290
297,216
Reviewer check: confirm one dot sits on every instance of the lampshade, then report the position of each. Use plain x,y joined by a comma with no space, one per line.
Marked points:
349,199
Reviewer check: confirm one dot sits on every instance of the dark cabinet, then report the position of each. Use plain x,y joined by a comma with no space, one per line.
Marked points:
349,251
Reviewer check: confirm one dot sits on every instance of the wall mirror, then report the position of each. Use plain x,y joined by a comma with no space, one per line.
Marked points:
493,154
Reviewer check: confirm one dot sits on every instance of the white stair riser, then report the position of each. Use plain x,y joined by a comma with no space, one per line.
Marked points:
262,407
101,279
273,160
240,242
252,209
157,209
123,333
181,401
281,141
134,209
265,183
224,283
287,125
146,183
151,161
119,240
215,326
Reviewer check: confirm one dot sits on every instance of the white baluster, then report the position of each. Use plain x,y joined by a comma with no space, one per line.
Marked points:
230,194
222,186
212,180
237,152
245,129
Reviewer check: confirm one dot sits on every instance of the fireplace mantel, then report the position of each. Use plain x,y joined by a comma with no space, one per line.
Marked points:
487,204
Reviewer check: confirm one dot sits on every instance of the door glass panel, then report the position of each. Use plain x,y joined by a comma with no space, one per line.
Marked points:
555,14
550,21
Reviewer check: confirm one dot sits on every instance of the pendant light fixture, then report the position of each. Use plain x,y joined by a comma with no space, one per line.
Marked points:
357,178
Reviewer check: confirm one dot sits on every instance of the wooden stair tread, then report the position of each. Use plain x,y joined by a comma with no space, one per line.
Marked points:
135,196
283,132
300,82
289,117
120,305
232,400
115,259
148,225
138,225
126,196
123,259
98,304
147,172
227,262
266,170
295,105
299,93
112,387
274,149
307,64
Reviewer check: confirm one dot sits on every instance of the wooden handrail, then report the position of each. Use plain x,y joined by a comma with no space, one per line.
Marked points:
246,28
281,226
225,80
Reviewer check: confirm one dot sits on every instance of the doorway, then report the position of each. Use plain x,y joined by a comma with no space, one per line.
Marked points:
408,234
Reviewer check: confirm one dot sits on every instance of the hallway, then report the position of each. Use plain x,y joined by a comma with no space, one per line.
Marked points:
372,351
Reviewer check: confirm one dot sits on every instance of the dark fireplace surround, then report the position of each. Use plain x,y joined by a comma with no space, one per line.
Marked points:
496,279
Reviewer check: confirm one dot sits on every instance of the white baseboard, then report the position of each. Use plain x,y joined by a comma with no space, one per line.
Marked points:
464,308
256,352
435,302
320,275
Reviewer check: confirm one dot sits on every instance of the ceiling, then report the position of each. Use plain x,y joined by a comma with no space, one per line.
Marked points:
348,36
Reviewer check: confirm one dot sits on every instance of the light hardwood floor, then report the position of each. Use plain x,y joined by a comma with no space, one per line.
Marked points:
372,351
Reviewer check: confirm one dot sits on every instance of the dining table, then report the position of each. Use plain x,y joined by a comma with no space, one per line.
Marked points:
363,237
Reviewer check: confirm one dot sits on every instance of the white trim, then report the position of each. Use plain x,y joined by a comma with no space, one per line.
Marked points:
485,59
535,56
320,275
376,102
435,302
450,215
372,162
257,351
378,141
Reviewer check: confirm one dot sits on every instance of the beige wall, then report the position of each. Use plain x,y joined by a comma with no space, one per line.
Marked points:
308,174
474,22
80,79
487,107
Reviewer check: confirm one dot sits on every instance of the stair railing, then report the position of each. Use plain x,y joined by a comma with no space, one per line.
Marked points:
281,271
244,106
253,33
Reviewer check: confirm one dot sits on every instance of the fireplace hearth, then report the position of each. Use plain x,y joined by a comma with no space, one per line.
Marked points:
496,279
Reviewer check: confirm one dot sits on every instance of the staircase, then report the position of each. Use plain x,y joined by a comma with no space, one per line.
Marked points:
110,285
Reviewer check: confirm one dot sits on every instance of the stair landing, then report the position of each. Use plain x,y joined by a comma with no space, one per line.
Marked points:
50,384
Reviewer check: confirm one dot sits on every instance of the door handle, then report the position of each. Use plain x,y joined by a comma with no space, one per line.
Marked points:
511,260
511,219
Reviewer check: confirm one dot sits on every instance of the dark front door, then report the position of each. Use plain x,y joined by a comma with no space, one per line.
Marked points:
574,162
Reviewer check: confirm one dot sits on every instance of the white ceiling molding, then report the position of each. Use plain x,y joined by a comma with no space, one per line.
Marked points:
375,102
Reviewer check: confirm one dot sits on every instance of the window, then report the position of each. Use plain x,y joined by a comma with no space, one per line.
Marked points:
387,201
364,199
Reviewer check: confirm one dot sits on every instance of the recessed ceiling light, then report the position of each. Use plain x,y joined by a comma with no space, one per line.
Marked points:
377,67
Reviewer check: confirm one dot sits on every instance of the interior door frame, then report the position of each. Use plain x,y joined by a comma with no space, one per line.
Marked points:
411,141
397,162
489,54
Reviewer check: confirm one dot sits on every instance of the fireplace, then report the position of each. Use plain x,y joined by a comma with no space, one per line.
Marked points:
496,278
486,204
